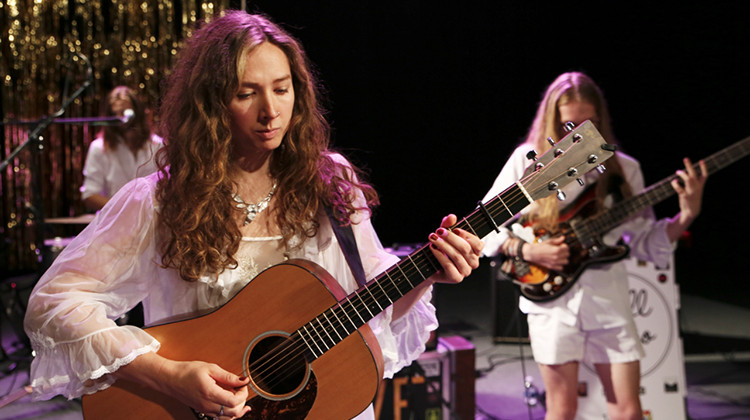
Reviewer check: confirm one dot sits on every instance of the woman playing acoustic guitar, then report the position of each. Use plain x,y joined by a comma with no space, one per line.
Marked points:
592,320
246,178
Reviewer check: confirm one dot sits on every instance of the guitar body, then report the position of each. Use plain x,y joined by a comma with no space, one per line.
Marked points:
339,384
540,284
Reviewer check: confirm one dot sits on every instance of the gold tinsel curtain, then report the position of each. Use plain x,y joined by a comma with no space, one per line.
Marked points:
41,47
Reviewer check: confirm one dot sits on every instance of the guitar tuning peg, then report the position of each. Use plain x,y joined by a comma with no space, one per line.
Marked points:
552,186
600,168
558,152
569,126
550,141
580,181
531,155
572,171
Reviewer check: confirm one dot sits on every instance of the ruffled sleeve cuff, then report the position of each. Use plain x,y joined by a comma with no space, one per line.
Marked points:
92,359
403,340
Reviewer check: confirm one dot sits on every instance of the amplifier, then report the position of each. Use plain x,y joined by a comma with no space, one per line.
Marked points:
438,385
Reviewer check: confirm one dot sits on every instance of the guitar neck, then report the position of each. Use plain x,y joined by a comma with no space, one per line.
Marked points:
658,192
339,321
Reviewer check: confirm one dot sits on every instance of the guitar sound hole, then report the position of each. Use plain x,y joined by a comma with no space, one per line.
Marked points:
277,368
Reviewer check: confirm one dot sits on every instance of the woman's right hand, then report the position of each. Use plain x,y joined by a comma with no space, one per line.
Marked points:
552,253
205,387
208,388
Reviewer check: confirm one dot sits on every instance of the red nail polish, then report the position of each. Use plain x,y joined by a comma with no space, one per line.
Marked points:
433,237
441,231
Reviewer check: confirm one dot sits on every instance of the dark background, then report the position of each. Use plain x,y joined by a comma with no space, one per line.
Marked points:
432,98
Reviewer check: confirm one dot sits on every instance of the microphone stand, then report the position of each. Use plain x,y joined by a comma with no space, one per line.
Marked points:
35,143
35,138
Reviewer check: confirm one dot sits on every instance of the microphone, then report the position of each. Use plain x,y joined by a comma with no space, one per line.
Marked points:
127,115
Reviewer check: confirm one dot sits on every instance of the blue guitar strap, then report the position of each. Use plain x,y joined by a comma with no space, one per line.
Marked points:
348,243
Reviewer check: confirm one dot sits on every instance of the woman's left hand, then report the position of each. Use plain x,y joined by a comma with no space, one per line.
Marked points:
691,192
457,250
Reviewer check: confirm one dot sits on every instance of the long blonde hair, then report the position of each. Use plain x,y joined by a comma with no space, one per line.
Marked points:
197,214
566,88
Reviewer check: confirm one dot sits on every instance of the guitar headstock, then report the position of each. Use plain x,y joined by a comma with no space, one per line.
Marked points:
580,151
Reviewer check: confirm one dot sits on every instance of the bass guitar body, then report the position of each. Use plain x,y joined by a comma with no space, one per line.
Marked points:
540,284
249,336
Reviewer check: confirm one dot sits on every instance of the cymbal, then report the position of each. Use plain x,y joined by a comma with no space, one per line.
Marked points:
83,219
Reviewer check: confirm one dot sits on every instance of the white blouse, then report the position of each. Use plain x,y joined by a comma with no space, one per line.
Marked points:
114,264
106,170
600,298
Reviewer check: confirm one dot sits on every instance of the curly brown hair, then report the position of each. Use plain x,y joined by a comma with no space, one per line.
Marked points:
197,214
136,132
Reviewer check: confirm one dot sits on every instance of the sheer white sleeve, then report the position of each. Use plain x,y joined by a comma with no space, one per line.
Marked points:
102,274
94,170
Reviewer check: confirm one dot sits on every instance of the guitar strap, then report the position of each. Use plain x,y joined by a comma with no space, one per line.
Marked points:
345,236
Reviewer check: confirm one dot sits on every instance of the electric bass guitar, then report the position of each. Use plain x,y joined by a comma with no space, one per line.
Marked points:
583,228
302,341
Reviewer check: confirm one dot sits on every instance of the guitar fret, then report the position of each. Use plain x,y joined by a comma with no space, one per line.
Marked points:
431,259
320,351
354,326
405,276
393,283
365,305
500,199
355,311
309,348
374,299
333,327
383,290
325,330
417,267
470,227
321,339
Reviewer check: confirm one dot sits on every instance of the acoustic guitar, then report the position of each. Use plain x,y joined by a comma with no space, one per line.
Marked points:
583,224
302,341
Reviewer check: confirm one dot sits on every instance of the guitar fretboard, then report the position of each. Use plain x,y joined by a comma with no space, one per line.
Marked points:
341,320
605,221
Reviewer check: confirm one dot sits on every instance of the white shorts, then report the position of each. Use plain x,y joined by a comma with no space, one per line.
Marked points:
554,343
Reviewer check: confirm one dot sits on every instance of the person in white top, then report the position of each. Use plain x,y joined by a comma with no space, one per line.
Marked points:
592,321
247,175
120,152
